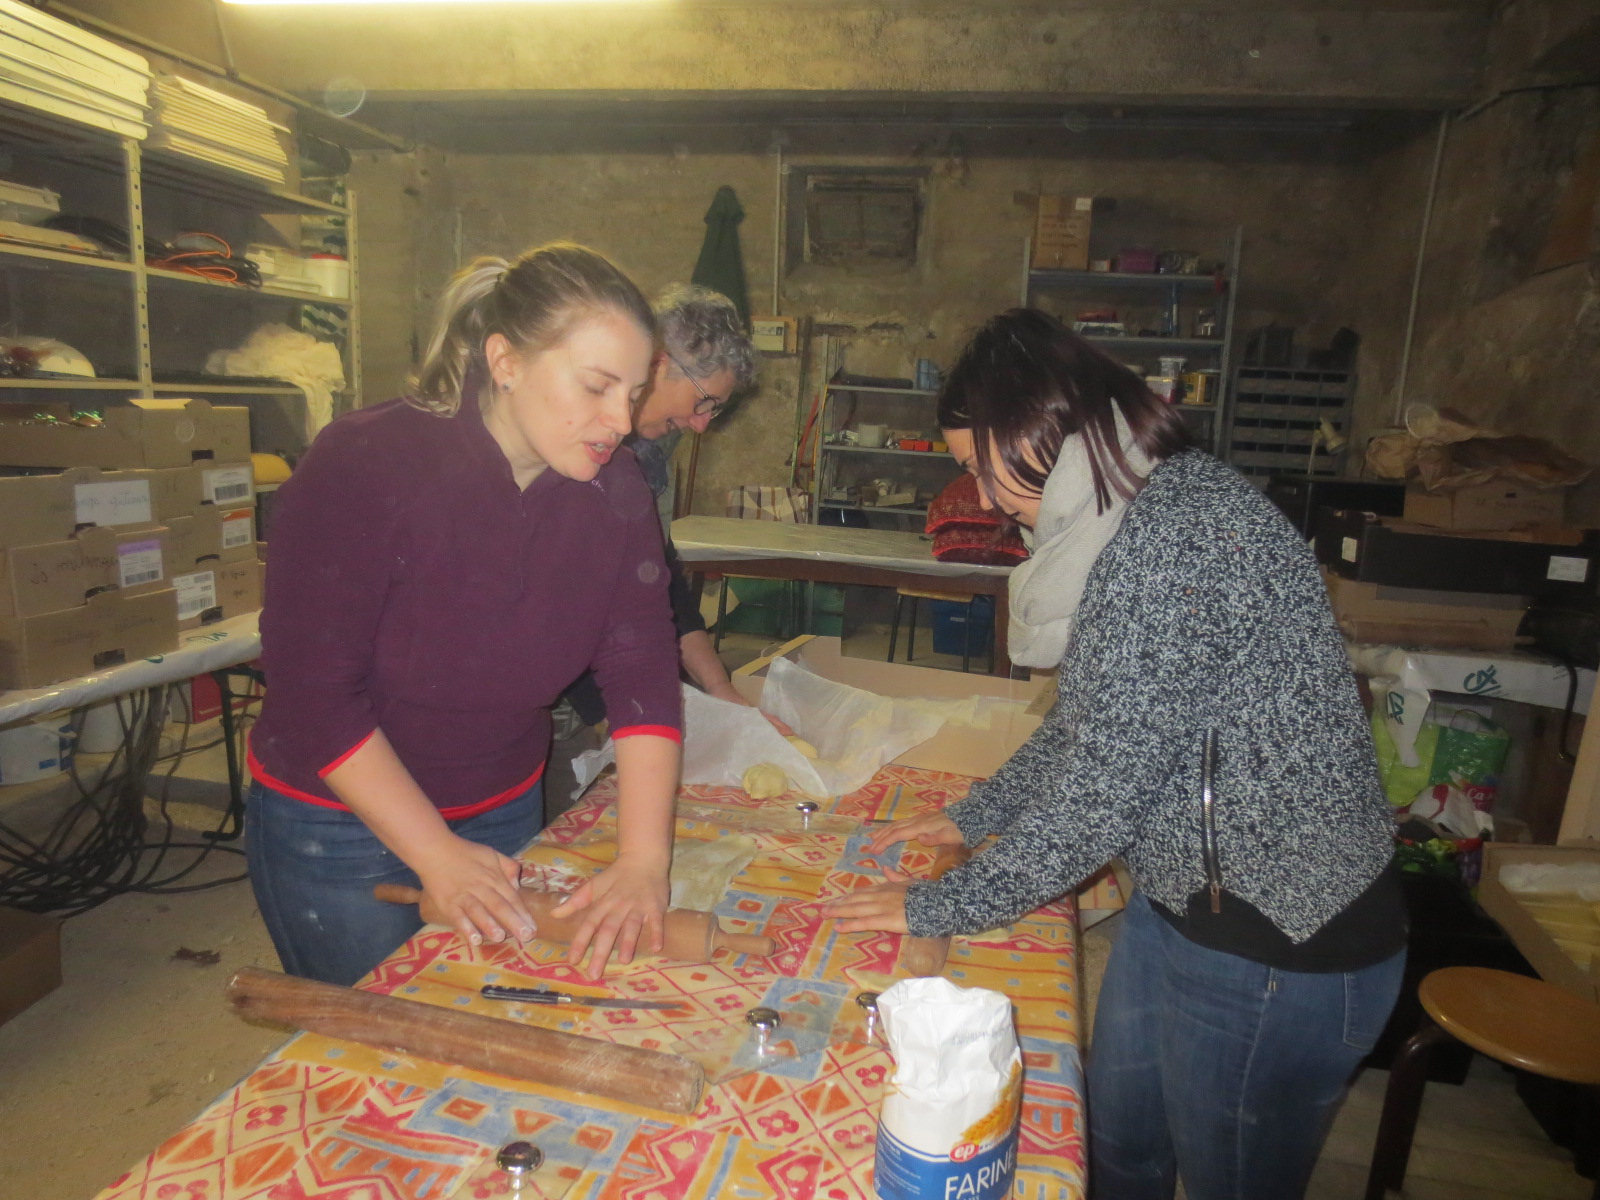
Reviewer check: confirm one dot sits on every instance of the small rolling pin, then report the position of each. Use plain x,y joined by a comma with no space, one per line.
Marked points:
923,957
548,1056
691,935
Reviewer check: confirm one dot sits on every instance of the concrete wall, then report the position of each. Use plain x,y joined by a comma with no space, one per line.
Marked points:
1300,198
1512,347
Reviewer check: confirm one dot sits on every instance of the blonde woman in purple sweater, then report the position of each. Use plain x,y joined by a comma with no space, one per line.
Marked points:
442,566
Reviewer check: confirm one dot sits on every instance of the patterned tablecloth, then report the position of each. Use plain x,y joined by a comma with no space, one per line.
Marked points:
326,1118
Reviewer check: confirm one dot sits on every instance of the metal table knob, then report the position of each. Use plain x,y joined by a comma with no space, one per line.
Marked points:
518,1159
868,1003
805,808
763,1021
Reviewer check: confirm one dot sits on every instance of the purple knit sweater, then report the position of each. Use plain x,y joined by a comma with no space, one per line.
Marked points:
411,587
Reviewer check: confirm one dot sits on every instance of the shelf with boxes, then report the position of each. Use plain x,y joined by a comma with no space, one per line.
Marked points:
120,533
1289,419
1167,316
879,455
128,240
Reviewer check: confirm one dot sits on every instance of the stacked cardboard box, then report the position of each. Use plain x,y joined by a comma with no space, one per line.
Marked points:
1458,570
148,527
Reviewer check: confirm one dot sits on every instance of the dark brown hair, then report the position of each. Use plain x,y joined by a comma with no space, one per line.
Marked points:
1025,383
533,302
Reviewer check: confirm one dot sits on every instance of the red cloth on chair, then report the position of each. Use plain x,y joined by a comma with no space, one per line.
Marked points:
965,531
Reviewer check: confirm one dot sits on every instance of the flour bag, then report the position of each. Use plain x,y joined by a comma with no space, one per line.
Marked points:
948,1129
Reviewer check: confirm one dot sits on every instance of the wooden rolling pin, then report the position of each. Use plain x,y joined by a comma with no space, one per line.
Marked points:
691,935
924,957
548,1056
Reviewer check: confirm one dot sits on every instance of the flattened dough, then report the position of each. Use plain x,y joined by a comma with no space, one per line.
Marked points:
702,871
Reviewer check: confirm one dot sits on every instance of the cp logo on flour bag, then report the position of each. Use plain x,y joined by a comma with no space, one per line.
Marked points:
948,1130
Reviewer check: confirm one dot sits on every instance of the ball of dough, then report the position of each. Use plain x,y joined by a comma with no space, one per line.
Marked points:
764,781
800,744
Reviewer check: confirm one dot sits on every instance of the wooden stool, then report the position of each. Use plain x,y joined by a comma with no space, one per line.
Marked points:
1522,1022
916,596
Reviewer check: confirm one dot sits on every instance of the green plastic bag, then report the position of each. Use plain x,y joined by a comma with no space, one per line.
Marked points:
1470,754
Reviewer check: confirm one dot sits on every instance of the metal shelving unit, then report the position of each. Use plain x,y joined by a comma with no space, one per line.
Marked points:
1179,293
841,466
117,303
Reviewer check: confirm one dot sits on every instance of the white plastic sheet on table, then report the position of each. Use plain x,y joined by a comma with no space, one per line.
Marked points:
701,539
1403,683
225,644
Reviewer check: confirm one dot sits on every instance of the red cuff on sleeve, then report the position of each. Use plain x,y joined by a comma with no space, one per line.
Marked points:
665,731
343,758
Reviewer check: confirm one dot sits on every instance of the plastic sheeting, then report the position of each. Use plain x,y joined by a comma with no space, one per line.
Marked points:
1403,682
701,539
225,644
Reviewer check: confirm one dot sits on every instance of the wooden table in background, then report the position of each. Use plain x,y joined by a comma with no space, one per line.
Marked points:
834,554
325,1118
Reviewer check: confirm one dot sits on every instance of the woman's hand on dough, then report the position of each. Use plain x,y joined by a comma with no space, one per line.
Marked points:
929,829
879,907
624,909
473,889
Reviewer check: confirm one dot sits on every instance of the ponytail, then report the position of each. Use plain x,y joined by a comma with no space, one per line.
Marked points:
460,325
533,303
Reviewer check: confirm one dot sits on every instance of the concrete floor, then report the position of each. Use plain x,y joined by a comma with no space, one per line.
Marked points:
136,1042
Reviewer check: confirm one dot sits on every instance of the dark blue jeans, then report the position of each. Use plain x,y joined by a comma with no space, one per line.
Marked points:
1219,1070
313,870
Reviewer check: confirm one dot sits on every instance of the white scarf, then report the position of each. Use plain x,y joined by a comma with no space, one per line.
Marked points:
1046,589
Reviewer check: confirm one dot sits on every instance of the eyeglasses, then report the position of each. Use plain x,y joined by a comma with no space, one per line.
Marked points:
708,405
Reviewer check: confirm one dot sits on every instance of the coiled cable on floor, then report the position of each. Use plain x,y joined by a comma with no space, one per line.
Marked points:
100,847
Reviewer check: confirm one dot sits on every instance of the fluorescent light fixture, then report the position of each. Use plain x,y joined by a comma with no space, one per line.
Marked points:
481,3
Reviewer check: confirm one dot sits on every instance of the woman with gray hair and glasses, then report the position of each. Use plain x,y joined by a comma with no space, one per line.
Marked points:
703,360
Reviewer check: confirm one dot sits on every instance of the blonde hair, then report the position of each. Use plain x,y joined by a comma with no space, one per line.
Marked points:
533,303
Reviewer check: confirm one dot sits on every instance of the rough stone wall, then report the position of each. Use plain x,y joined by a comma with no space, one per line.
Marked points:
1291,193
1510,347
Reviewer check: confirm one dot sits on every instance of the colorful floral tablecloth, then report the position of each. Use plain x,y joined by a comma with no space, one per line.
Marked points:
332,1119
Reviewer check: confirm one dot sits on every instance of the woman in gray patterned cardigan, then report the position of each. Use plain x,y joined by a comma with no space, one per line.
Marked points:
1208,732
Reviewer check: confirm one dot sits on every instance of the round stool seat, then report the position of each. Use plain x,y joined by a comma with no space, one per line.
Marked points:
1525,1022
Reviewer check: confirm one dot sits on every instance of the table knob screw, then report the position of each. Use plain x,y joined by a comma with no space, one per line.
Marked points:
805,808
763,1021
518,1159
868,1003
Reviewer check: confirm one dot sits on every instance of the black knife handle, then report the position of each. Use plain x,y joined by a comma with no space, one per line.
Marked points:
491,991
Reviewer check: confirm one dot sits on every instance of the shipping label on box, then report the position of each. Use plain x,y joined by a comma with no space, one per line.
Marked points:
1061,234
138,563
196,593
230,485
238,529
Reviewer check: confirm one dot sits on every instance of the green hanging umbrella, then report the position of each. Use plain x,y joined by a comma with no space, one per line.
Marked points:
721,265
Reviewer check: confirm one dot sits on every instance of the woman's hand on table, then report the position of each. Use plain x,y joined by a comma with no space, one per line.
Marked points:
879,907
474,889
929,829
623,909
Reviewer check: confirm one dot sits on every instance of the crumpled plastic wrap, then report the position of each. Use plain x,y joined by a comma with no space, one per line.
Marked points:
1445,452
278,352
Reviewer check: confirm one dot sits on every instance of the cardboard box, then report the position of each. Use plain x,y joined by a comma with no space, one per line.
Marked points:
1496,505
217,592
208,534
109,629
960,751
30,959
1370,612
60,575
34,509
140,434
1554,562
1537,946
1061,234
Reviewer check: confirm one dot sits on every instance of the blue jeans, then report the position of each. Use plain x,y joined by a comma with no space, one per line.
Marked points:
1218,1070
313,870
